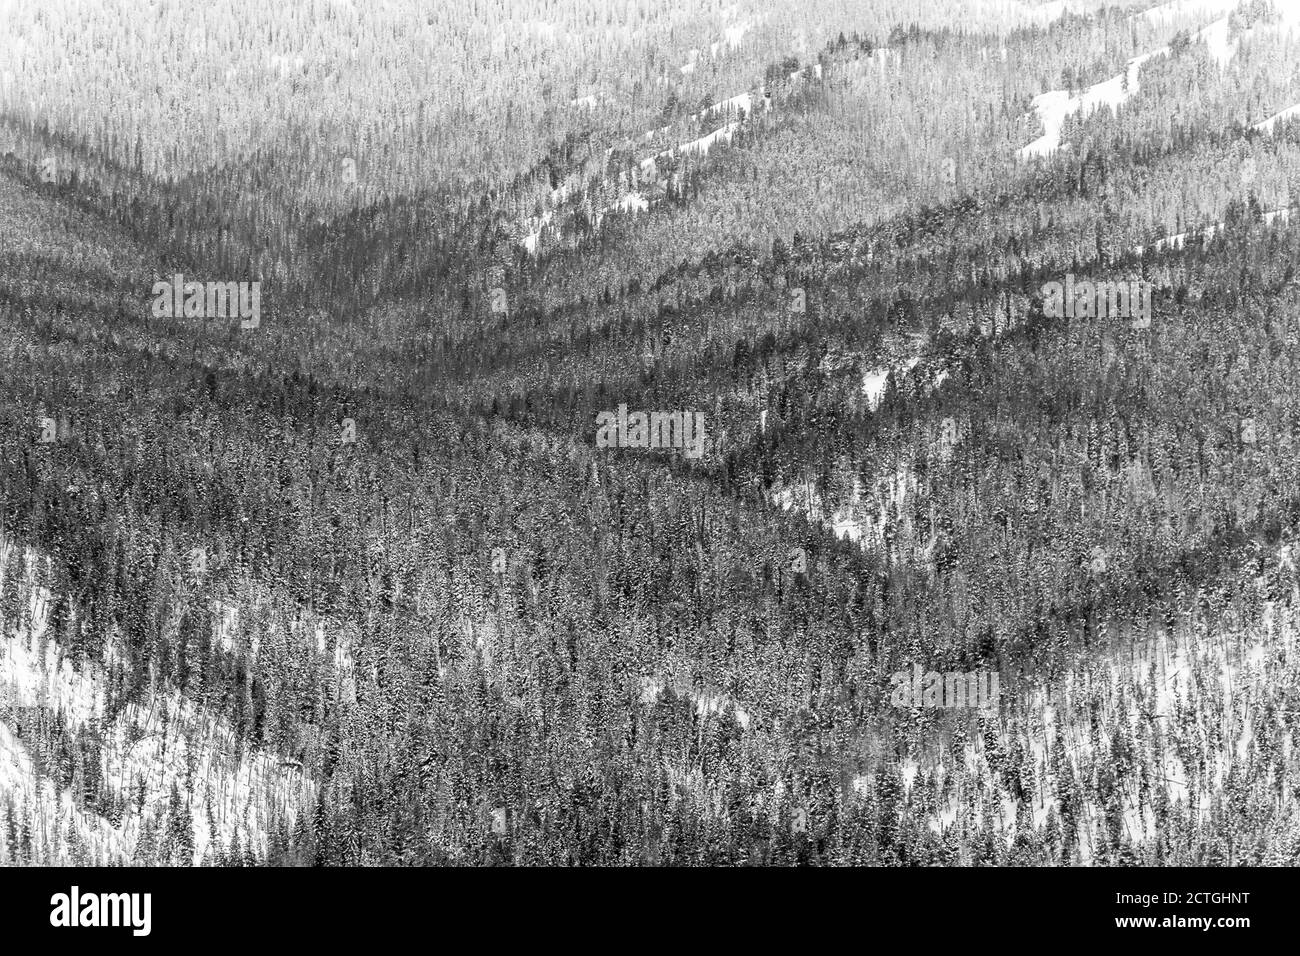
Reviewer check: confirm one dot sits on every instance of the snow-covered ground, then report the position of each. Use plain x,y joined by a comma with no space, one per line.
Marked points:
632,203
737,109
864,517
696,147
535,228
1271,123
52,808
705,702
1206,693
1180,240
843,521
741,103
1217,37
1056,106
876,381
149,746
734,35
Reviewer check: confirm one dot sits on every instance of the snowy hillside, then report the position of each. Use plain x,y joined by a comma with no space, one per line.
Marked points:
147,753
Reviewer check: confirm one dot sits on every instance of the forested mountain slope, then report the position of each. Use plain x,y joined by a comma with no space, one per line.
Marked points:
363,583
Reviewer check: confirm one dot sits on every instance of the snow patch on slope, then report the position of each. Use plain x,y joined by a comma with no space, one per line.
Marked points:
875,382
147,748
1180,240
706,703
1056,106
1284,116
864,518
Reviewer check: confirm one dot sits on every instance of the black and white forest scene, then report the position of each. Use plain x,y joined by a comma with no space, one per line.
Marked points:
649,434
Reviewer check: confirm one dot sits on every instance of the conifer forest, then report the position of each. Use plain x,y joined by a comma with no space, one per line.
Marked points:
649,433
